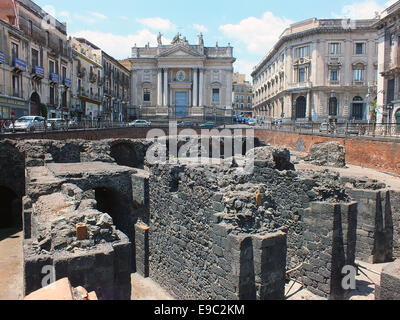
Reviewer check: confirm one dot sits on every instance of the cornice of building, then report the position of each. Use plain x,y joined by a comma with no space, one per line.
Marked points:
80,55
324,29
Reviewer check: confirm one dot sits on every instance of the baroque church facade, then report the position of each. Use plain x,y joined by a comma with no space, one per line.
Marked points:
182,80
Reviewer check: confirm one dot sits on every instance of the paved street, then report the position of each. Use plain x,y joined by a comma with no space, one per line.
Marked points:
11,269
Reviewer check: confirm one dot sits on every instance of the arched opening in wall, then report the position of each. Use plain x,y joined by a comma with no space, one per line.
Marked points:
10,209
125,155
122,211
301,105
34,103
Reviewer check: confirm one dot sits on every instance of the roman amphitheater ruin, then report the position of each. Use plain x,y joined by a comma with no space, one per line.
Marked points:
97,211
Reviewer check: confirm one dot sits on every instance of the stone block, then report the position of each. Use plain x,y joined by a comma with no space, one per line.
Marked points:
59,290
81,231
390,282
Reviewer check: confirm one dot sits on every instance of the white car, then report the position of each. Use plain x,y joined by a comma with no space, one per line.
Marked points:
29,124
251,122
140,124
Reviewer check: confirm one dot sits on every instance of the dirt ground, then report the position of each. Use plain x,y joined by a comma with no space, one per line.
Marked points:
147,289
11,269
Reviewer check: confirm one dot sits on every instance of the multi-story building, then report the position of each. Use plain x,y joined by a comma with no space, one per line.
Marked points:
242,96
319,70
87,83
117,89
388,103
35,62
182,80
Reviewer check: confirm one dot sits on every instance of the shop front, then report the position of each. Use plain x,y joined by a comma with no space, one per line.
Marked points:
13,108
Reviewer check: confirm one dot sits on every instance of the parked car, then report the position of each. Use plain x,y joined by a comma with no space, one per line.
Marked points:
29,124
324,128
209,125
351,129
251,122
302,125
185,124
56,124
73,124
140,124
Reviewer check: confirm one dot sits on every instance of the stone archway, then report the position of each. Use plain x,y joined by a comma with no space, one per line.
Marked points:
125,155
301,106
34,103
10,209
116,205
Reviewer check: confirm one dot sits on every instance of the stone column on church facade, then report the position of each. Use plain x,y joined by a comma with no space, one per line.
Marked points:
195,88
201,88
165,87
159,88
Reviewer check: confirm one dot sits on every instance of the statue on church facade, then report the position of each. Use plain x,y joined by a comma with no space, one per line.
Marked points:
201,40
159,39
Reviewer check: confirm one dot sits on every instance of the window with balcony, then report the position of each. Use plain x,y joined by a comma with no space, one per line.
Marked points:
16,85
358,75
215,95
64,72
302,52
302,75
360,48
51,66
146,95
14,52
334,75
334,48
35,58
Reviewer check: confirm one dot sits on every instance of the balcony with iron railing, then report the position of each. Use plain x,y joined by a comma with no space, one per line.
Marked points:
37,72
86,94
54,78
81,72
92,77
19,65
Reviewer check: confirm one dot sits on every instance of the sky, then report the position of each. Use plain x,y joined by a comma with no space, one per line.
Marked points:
252,27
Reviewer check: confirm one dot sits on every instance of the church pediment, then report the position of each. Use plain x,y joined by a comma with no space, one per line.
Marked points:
179,51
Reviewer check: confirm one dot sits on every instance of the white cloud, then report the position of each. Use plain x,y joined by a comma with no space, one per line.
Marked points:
119,46
362,10
159,24
200,27
98,15
245,67
90,18
258,34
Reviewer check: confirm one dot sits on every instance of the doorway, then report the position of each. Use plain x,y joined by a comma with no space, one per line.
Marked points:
301,105
181,103
35,105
